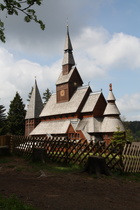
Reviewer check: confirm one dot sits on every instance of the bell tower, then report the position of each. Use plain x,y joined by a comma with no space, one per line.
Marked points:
68,60
69,79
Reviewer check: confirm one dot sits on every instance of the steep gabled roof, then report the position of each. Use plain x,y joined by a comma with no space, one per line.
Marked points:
35,105
72,106
90,125
64,78
91,102
67,77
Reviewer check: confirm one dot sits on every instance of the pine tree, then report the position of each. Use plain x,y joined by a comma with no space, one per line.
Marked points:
46,95
29,95
2,120
16,116
118,137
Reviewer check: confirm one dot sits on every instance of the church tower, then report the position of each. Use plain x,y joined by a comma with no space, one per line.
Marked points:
111,122
33,111
69,79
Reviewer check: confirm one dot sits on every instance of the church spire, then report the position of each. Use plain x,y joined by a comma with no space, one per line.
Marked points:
68,60
111,108
35,105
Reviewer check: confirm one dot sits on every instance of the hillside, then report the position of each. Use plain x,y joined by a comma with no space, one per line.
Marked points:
134,129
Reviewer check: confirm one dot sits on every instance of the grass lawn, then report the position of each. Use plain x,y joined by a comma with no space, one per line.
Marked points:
13,203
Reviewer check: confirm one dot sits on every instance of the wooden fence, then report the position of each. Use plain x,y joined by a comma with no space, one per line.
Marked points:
125,158
131,157
5,145
5,141
69,151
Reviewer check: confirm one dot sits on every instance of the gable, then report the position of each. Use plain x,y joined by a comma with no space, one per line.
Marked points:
76,78
69,77
95,104
100,106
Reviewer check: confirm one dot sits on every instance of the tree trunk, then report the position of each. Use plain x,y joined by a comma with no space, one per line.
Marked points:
38,155
97,165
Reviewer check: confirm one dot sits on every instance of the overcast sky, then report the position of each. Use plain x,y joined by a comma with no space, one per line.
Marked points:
105,35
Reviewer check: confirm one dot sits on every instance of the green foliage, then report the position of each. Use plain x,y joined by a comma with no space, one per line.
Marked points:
134,127
129,135
16,116
46,95
118,137
12,202
14,7
2,120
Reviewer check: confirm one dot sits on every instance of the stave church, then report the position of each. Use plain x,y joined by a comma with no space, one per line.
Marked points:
74,111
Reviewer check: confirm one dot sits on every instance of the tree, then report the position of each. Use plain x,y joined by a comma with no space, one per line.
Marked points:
2,120
29,95
129,135
13,7
16,116
119,137
46,95
132,130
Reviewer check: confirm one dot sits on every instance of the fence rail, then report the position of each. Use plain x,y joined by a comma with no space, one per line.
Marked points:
125,158
131,157
69,151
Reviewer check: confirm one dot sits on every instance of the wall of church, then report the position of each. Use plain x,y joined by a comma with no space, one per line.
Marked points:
62,93
30,124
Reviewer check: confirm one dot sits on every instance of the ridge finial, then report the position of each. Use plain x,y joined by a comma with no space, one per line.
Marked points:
110,86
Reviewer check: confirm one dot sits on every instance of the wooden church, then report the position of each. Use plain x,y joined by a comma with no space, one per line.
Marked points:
74,111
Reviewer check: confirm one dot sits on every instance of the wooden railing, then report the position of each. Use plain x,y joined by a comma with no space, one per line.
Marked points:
69,151
131,157
125,158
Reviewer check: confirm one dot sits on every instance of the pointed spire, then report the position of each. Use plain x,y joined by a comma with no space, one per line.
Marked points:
68,59
111,121
111,96
35,105
111,108
68,45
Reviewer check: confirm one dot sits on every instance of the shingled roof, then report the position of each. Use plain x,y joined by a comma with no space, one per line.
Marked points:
68,56
35,105
91,102
72,106
51,127
111,108
65,78
111,121
112,124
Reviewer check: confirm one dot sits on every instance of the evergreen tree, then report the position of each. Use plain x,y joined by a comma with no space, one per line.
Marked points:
118,137
46,95
29,95
129,135
2,120
16,116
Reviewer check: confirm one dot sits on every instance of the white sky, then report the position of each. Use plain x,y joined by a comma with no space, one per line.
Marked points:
106,45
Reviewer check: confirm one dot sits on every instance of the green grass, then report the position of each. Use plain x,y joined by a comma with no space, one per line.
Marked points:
55,167
127,176
131,176
13,203
5,160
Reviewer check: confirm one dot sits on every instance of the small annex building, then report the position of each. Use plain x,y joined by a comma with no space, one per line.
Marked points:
74,111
